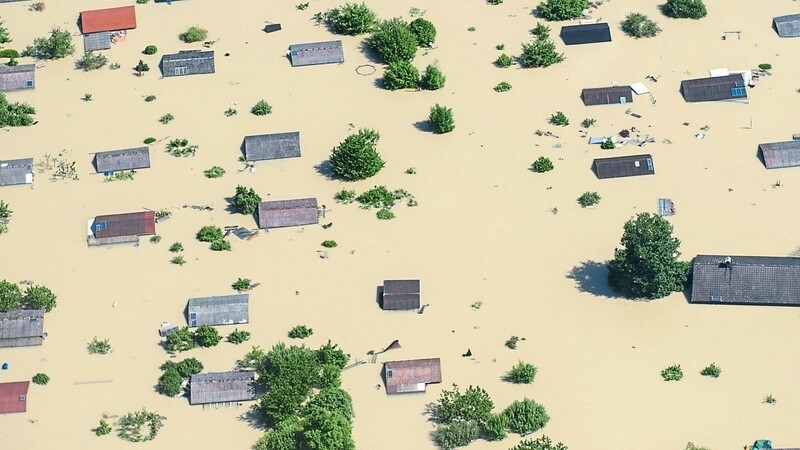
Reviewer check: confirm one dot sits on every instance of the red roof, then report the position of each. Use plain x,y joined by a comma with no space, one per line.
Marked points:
14,397
127,224
109,19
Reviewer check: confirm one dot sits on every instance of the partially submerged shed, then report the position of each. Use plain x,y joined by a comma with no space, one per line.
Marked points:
14,397
17,78
221,388
787,26
121,228
16,171
729,87
272,146
623,166
108,19
586,34
411,376
187,62
400,294
22,328
329,52
125,159
607,95
776,155
220,310
97,41
288,213
746,280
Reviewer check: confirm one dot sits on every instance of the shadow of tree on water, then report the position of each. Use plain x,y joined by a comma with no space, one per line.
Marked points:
592,277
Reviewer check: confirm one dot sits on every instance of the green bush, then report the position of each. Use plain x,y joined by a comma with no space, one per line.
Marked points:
424,30
377,197
543,164
454,406
526,416
542,443
166,118
512,342
179,260
561,9
522,373
242,284
15,114
150,50
433,79
209,233
608,144
540,53
214,172
457,434
149,140
193,34
502,86
99,346
684,9
541,31
261,108
104,428
504,61
500,47
91,61
394,41
640,26
237,337
345,196
155,239
495,427
176,247
39,297
150,98
141,67
559,119
672,373
207,336
220,245
230,112
441,119
5,37
384,214
245,200
765,66
169,383
41,379
185,368
401,75
356,158
55,46
494,2
180,340
588,199
351,19
712,370
329,244
300,332
588,123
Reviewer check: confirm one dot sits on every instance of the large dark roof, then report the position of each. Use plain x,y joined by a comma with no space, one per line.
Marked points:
16,171
401,294
187,62
586,34
272,146
222,387
126,224
125,159
787,26
14,397
288,213
727,87
780,154
411,375
108,19
746,280
220,310
329,52
624,166
607,95
97,41
21,327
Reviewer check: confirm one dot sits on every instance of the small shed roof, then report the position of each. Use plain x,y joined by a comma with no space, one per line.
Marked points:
220,310
728,87
787,26
188,62
222,387
127,224
607,95
411,375
97,41
746,280
16,171
329,52
108,19
14,78
272,146
125,159
401,294
21,327
624,166
780,154
288,213
586,34
14,397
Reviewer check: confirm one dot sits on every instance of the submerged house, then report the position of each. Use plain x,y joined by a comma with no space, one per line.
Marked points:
728,87
411,376
14,397
121,228
400,294
220,310
787,26
272,146
97,41
776,155
119,160
288,213
187,62
22,328
329,52
585,34
746,280
222,388
16,171
607,95
623,166
17,78
108,19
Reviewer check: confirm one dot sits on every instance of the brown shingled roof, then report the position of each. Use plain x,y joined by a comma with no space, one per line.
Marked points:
411,375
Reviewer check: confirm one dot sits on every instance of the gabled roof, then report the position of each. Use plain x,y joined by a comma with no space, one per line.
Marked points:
288,213
606,95
20,68
746,280
272,146
329,52
780,154
220,310
787,26
400,294
222,387
108,19
728,87
411,375
16,171
21,327
126,224
187,62
97,41
624,166
15,78
14,397
586,34
125,159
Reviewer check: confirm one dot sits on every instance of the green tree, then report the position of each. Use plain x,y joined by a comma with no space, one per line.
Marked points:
559,118
193,34
41,379
541,31
526,416
647,265
285,435
684,9
245,200
327,430
540,53
180,340
207,336
454,406
221,245
238,337
588,199
91,61
99,346
5,214
291,373
394,41
242,284
561,9
103,429
400,75
5,37
542,443
424,30
504,61
441,119
712,370
15,114
456,434
141,68
495,427
351,19
433,79
209,233
640,26
169,383
522,373
356,158
252,359
331,354
672,373
150,50
38,297
300,332
332,399
185,368
55,46
10,296
543,164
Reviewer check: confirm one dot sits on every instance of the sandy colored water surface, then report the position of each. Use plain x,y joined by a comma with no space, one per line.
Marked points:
483,230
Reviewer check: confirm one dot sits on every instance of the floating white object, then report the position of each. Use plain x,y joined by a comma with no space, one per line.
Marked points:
639,88
721,72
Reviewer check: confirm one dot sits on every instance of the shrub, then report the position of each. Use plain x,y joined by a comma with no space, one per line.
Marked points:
684,9
522,373
15,114
765,66
237,337
559,119
150,50
141,67
39,297
608,144
87,97
149,140
543,164
166,118
300,332
542,443
495,427
114,66
220,245
770,400
179,260
176,247
41,379
246,200
692,446
588,123
142,2
329,244
526,416
230,112
424,30
351,19
99,346
454,406
207,336
502,86
209,233
401,75
150,98
394,41
441,119
345,196
500,46
104,428
712,370
454,435
261,108
588,199
214,172
494,2
433,78
91,61
672,373
504,61
155,239
139,426
356,158
242,284
512,342
377,197
470,29
540,53
411,171
561,9
55,46
169,383
181,147
4,36
640,26
541,31
193,34
180,340
384,214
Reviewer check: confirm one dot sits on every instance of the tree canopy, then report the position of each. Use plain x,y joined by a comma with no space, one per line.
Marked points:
455,406
441,119
433,78
561,9
15,114
526,416
639,26
356,158
394,41
10,296
246,200
542,443
38,297
540,53
351,19
55,46
684,9
424,30
401,75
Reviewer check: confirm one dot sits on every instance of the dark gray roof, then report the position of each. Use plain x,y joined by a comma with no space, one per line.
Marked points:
222,387
221,310
21,327
728,87
746,280
787,26
624,166
187,62
272,146
328,52
14,78
586,34
16,171
780,154
97,41
400,294
125,159
607,95
288,213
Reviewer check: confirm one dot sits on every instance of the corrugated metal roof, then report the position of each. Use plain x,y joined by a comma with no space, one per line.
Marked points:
746,280
222,387
411,375
108,19
606,95
714,88
219,310
401,294
272,146
125,159
329,52
97,41
586,34
14,397
288,213
21,327
624,166
787,26
16,171
126,224
780,154
187,62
